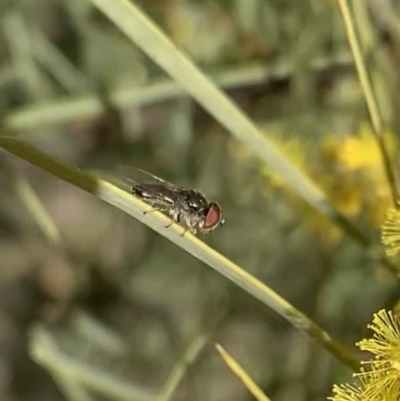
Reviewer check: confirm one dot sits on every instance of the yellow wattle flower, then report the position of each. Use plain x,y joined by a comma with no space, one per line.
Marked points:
362,151
379,379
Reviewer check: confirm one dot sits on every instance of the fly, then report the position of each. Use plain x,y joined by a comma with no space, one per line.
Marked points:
185,206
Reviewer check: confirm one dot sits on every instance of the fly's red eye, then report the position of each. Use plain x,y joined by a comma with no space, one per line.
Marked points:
213,216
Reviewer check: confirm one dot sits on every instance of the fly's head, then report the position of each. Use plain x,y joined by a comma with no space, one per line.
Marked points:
199,212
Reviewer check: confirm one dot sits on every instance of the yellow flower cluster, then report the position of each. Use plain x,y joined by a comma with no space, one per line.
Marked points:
347,168
379,380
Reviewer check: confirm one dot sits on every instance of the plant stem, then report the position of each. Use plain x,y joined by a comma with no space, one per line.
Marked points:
369,95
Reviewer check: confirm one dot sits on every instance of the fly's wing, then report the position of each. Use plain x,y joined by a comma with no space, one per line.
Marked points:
126,173
120,176
113,178
165,183
160,194
156,194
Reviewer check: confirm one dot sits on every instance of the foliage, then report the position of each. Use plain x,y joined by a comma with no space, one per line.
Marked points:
284,113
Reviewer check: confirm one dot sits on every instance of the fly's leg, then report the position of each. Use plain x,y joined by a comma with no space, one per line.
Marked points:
169,224
192,230
155,209
176,218
190,226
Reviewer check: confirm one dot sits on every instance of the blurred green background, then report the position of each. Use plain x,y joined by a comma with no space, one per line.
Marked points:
118,305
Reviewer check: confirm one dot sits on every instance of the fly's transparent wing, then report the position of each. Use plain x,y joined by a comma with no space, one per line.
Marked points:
165,183
115,179
156,194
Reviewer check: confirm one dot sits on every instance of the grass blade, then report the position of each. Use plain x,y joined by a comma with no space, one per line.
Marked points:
191,244
182,366
242,374
369,95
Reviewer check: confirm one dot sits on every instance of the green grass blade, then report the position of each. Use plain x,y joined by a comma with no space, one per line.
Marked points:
191,244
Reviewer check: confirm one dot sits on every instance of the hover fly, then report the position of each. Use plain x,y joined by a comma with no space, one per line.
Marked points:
185,206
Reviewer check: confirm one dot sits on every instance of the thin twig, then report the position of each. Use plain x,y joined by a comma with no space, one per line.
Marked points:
45,351
369,94
58,65
88,327
37,209
34,205
181,367
21,50
71,388
242,374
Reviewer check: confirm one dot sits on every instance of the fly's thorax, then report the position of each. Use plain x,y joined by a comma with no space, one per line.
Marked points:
195,201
